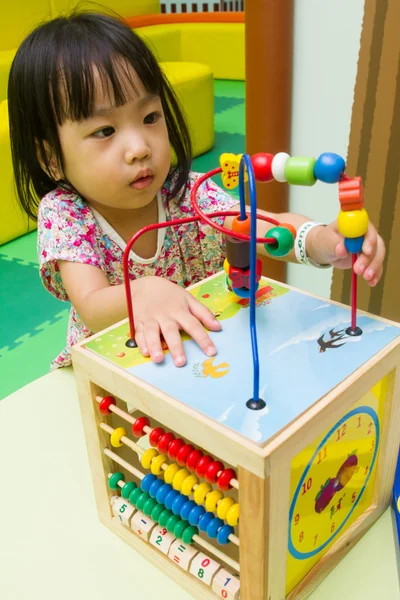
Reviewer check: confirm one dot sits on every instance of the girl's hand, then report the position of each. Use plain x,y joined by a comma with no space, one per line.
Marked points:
326,245
164,308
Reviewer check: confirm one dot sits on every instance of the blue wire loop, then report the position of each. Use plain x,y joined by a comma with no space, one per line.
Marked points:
246,161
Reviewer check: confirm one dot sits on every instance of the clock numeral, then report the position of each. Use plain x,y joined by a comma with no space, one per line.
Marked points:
297,519
353,498
369,428
341,432
306,486
372,445
366,470
332,527
322,454
359,423
301,536
315,539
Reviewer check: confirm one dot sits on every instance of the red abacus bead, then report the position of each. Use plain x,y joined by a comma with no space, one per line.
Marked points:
239,226
213,470
155,436
183,454
202,465
225,478
139,425
165,441
262,165
193,459
174,447
104,406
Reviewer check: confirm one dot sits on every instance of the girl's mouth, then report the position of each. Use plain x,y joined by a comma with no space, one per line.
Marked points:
143,182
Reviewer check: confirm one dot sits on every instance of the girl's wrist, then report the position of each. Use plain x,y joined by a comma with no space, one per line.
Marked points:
306,245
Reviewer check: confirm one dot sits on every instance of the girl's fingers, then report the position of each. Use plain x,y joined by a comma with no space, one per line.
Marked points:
195,329
140,339
172,337
370,241
151,333
203,314
374,266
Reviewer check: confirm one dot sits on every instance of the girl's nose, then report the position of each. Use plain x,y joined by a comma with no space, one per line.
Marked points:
137,150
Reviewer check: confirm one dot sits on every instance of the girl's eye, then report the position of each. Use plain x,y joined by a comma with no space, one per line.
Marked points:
152,118
104,132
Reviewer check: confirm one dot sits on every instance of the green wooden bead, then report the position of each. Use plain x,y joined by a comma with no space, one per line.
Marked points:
127,489
140,502
133,496
113,481
180,528
299,170
172,521
148,506
284,239
156,512
187,536
164,516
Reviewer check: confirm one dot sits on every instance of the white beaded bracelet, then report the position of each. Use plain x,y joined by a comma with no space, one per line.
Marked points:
300,245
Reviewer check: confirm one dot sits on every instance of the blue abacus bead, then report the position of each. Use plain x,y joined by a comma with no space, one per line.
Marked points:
354,245
170,497
178,503
147,481
214,526
195,514
205,520
329,167
186,508
223,534
243,292
154,487
162,492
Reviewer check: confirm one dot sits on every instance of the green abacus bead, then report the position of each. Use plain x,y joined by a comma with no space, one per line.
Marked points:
187,536
172,521
284,239
299,170
142,500
133,496
113,481
156,512
164,516
180,528
127,489
148,506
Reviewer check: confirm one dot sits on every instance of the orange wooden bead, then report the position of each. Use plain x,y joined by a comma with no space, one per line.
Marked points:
351,194
239,226
291,228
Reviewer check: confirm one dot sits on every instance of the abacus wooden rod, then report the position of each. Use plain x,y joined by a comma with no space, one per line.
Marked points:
127,417
201,542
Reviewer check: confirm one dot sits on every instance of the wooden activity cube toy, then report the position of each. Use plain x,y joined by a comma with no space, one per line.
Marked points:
175,452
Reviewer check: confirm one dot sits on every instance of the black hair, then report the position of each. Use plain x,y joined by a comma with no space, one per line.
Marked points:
66,48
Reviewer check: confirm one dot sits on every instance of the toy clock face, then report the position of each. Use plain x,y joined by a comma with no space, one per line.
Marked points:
333,482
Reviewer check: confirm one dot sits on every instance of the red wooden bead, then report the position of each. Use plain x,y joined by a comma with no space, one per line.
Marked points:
262,165
241,277
193,459
165,441
183,454
155,436
225,478
104,406
174,447
213,470
202,465
351,194
241,226
139,425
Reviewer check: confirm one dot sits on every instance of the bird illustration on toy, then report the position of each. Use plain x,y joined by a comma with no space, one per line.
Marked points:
242,267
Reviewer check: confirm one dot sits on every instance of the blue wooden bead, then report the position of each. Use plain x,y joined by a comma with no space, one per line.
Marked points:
147,481
243,292
195,514
170,497
205,520
177,504
186,508
162,492
329,167
214,526
154,487
223,534
354,245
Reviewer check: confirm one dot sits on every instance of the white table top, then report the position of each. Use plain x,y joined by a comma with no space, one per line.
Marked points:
52,544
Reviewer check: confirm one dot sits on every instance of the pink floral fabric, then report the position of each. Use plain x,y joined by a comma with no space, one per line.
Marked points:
68,230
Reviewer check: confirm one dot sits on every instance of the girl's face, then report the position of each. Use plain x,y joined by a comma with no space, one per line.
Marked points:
120,157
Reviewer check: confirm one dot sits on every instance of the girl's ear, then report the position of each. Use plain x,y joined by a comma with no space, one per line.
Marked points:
48,160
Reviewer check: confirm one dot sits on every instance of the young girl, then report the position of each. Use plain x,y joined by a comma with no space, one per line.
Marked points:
92,123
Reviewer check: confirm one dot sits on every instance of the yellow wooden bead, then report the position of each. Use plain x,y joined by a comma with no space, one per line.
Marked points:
232,516
224,506
188,484
353,223
157,463
115,437
226,266
212,500
170,472
179,478
148,456
201,492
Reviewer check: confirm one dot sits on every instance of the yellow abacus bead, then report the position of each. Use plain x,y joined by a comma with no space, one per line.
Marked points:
224,506
226,266
170,472
179,478
201,492
188,485
353,223
115,437
232,516
148,457
212,500
157,463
